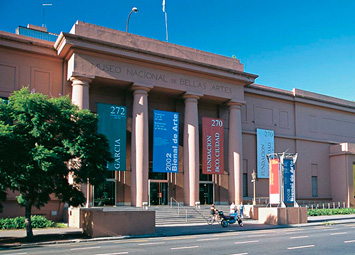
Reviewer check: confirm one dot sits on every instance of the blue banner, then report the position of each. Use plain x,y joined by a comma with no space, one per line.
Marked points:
265,145
166,142
289,181
113,124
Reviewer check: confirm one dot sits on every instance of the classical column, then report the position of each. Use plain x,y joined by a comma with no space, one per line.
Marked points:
80,91
235,158
191,150
139,146
80,97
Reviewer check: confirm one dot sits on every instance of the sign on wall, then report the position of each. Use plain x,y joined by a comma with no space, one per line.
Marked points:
265,145
289,181
274,183
166,142
212,146
113,124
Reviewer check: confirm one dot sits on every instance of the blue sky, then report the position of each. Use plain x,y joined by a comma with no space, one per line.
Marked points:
304,44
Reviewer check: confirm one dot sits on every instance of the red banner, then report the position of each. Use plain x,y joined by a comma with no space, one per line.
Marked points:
212,146
274,185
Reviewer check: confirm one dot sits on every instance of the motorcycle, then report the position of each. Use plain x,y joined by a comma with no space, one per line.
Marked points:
231,219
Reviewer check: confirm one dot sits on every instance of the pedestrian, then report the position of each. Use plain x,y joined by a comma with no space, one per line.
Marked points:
214,213
241,210
232,208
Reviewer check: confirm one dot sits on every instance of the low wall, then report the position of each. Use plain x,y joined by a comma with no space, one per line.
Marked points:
250,211
96,222
282,216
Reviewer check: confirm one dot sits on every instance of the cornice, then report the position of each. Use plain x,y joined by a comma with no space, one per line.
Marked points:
67,42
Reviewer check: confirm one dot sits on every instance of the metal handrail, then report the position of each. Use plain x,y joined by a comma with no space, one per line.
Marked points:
178,204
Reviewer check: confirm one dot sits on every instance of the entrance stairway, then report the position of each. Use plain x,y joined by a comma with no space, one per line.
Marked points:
177,214
166,215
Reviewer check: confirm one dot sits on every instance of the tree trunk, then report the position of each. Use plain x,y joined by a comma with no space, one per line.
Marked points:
29,232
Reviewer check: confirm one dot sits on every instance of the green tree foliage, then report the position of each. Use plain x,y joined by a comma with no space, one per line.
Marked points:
42,141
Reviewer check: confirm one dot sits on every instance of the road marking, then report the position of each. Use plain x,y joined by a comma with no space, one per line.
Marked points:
240,254
207,239
301,247
297,237
179,238
293,230
116,253
338,233
151,243
257,235
133,241
227,234
350,241
256,241
322,227
187,247
86,248
266,231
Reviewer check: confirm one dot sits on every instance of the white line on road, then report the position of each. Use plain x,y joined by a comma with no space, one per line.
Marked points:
301,247
322,227
207,239
151,243
350,241
116,253
338,233
255,241
187,247
240,253
86,248
297,237
257,235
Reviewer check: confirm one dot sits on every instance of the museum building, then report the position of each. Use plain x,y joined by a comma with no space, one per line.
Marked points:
215,111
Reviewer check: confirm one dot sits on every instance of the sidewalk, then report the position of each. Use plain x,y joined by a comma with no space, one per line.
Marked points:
10,238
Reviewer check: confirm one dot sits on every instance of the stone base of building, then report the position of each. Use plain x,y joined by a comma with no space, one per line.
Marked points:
96,222
282,216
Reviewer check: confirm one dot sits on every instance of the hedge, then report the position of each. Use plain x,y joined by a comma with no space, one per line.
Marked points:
37,221
320,212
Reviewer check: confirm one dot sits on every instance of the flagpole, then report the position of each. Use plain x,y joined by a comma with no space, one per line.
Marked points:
166,22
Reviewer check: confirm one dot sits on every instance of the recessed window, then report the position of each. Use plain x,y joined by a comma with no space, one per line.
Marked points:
314,186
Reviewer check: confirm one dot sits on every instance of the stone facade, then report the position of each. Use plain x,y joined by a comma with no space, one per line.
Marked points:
94,65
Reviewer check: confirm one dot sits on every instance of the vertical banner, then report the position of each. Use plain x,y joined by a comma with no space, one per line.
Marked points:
274,183
113,124
289,181
166,142
265,145
212,146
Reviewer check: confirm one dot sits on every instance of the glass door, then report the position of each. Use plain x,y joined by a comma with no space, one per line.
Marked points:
104,194
206,193
158,192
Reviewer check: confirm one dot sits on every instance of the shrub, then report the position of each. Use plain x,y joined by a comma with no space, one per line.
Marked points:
339,211
38,221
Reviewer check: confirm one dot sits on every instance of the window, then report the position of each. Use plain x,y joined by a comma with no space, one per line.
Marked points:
245,184
314,186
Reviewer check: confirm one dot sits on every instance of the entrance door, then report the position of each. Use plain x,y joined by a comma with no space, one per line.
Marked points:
158,192
206,193
104,194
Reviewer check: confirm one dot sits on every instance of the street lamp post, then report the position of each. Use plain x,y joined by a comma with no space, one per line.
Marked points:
134,9
253,179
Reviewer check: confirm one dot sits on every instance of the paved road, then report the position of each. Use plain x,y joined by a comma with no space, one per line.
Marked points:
326,239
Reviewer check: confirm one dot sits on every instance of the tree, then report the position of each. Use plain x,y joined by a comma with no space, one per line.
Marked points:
42,141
